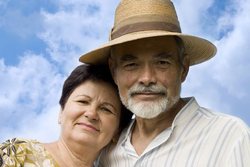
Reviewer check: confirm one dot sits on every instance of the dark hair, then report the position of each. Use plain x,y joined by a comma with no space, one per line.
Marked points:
86,72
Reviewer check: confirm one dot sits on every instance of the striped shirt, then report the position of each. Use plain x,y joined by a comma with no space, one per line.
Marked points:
198,137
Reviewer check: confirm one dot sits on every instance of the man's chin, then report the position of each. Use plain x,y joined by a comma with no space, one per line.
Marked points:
150,110
147,110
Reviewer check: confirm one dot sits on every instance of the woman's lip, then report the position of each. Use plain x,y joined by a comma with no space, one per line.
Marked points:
87,126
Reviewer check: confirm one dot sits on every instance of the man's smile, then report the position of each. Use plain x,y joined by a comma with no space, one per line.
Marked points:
147,95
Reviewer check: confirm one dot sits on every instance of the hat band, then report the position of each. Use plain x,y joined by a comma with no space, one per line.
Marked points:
145,26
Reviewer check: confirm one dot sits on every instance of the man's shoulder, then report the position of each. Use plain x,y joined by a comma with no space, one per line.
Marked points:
223,117
191,101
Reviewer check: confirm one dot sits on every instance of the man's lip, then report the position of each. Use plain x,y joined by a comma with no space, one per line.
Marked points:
87,126
148,93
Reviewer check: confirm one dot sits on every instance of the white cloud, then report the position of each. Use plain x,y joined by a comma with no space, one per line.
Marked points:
222,82
191,14
76,28
27,93
42,127
70,32
233,62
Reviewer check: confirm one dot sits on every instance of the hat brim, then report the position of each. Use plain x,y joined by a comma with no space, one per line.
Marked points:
198,49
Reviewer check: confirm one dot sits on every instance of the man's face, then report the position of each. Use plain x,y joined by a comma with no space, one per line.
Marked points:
149,75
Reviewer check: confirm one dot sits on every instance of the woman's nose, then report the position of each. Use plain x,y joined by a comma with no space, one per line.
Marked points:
91,113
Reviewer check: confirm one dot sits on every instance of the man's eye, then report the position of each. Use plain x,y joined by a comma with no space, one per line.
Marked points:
162,62
131,65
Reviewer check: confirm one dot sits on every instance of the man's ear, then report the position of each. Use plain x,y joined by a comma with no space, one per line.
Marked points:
112,69
185,67
60,117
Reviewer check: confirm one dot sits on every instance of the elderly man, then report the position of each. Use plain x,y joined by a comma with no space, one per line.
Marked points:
149,59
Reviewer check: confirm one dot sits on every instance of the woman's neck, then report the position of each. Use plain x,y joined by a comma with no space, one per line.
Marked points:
72,154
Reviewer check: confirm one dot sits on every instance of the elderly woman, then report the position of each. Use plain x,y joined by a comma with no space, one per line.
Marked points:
91,116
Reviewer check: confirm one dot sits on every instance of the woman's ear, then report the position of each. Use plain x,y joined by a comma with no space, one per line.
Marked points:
116,135
60,116
115,138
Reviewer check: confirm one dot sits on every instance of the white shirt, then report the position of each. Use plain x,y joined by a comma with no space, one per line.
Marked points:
198,137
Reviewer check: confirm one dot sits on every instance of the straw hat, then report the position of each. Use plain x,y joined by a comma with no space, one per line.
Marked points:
138,19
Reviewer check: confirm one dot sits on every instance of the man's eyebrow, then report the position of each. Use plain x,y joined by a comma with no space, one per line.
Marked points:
163,55
127,58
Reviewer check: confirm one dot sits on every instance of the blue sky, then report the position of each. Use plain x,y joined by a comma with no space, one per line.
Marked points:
41,41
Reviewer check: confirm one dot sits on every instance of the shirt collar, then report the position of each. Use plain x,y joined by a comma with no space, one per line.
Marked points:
184,114
130,129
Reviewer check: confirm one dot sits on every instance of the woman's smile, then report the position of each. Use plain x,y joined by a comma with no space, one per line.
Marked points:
88,127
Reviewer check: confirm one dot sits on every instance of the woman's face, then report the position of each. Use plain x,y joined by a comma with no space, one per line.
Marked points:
91,115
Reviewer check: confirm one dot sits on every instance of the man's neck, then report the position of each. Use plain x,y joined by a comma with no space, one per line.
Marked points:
146,130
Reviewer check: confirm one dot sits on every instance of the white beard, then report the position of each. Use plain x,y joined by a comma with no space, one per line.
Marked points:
149,109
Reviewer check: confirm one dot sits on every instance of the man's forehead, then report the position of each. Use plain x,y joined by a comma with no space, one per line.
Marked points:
160,55
159,46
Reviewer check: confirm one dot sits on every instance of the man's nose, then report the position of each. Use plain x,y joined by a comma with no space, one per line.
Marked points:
147,76
91,113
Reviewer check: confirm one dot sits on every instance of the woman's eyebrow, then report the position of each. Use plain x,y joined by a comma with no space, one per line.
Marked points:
84,96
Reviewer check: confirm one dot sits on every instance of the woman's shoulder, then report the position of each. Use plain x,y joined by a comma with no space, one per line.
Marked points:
18,152
13,146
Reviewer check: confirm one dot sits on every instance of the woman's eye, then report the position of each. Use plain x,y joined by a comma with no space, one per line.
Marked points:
106,109
83,102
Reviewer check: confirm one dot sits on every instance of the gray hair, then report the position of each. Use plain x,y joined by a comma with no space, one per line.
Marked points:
180,48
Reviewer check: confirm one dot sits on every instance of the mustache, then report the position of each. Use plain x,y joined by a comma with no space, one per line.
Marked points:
151,88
